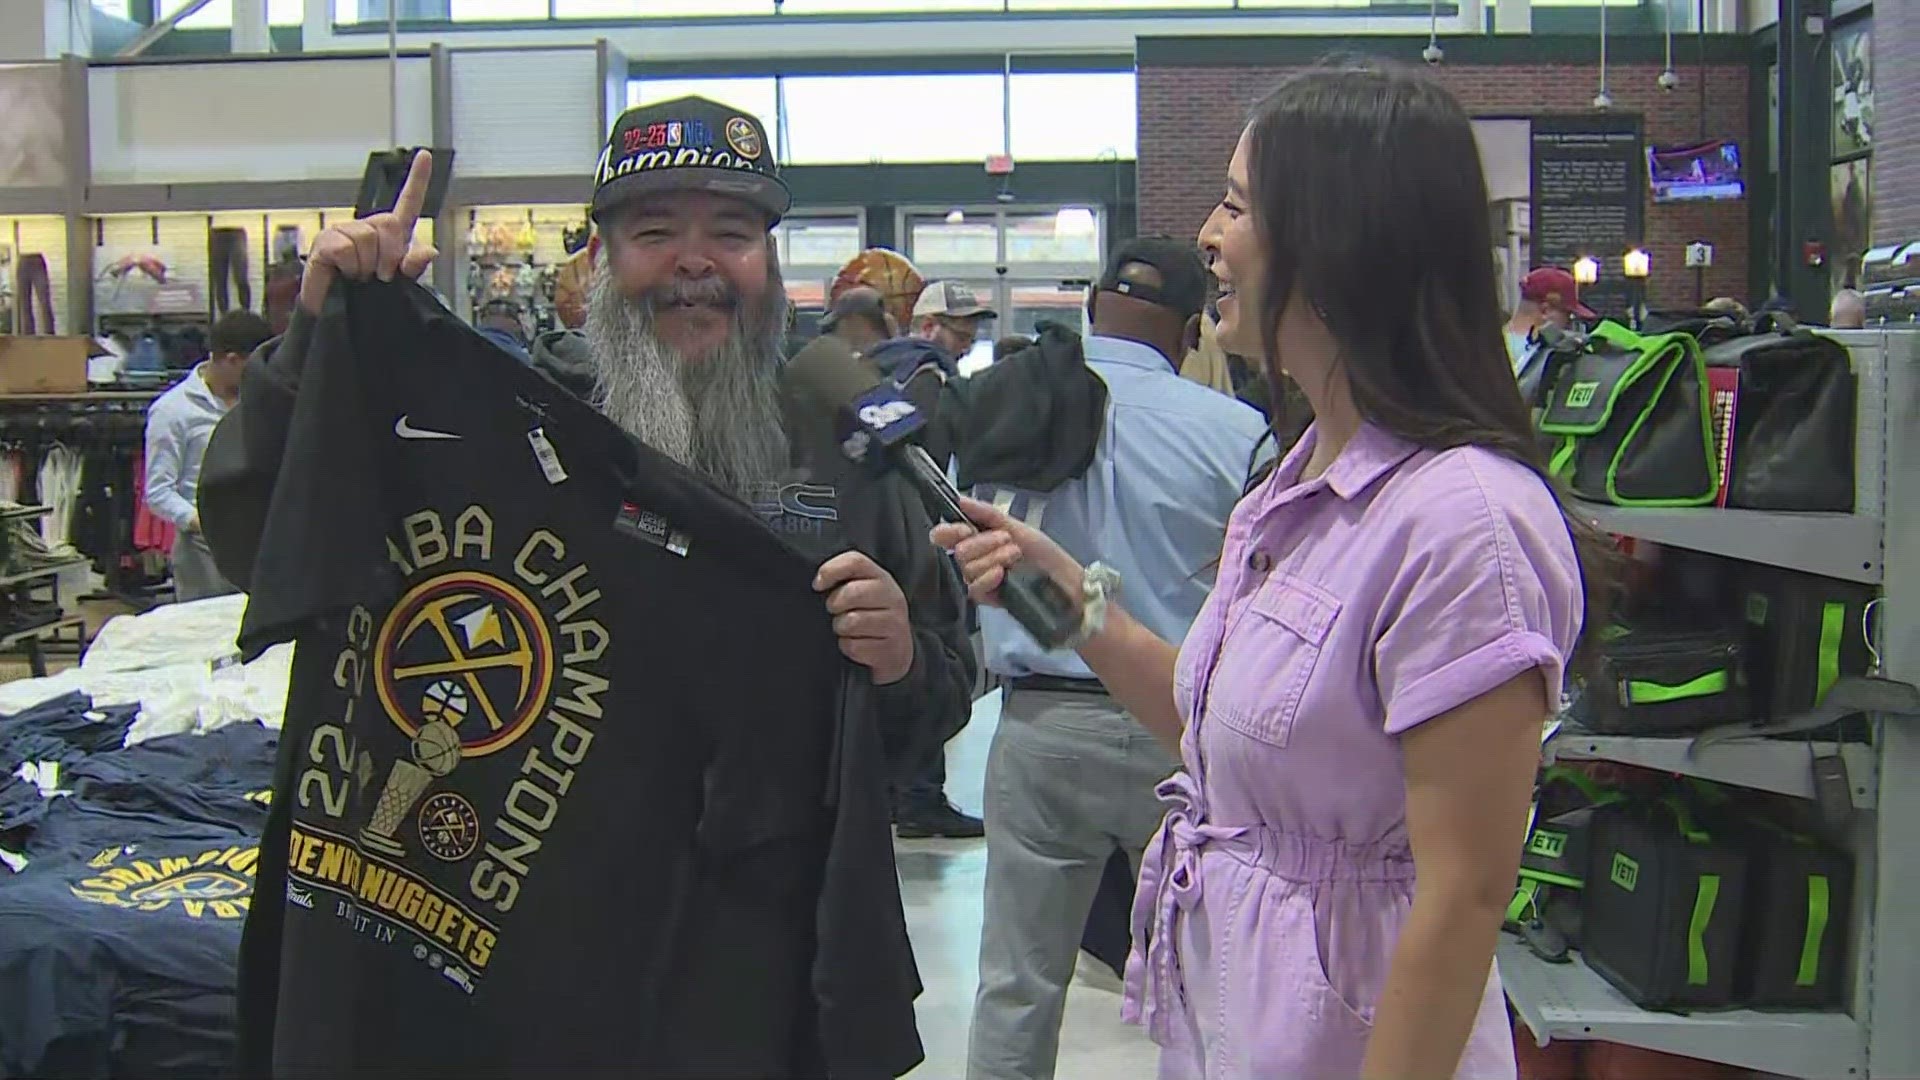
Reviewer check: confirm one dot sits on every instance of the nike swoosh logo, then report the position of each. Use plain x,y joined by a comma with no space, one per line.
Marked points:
404,428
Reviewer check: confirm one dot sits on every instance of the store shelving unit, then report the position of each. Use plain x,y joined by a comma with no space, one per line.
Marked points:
1878,1036
1782,766
1569,1001
1833,545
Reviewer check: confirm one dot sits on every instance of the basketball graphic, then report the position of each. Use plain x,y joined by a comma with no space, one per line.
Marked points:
445,701
437,747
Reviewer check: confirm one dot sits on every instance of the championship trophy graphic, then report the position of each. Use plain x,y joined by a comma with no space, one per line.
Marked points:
464,664
436,750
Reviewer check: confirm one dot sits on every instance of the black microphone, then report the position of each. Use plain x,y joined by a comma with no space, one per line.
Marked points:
837,399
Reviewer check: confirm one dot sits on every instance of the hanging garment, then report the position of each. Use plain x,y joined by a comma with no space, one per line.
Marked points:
59,488
151,532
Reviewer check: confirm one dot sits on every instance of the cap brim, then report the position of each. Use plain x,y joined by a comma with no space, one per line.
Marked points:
768,193
974,312
1584,311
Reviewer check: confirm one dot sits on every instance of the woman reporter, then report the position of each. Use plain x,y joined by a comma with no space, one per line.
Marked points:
1359,705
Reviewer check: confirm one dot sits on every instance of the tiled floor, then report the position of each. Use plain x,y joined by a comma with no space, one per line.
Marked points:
942,882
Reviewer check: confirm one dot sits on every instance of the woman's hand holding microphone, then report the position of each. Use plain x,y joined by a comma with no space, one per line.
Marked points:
994,543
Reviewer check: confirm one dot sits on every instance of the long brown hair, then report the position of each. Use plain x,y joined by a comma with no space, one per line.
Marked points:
1371,204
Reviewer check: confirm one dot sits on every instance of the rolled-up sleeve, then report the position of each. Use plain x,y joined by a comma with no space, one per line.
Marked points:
1490,589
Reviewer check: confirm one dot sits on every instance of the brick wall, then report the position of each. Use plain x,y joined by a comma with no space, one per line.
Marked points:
1190,118
1896,121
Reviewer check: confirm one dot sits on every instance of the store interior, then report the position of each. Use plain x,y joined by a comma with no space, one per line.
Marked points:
1710,176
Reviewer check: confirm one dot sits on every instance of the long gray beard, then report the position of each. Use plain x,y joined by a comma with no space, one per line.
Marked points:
720,414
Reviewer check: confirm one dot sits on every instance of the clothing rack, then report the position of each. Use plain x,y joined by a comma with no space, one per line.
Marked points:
30,614
99,440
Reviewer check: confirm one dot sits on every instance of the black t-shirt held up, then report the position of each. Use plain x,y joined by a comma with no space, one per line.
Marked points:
573,781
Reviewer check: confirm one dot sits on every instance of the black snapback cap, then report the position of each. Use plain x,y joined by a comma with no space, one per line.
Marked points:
689,144
1185,282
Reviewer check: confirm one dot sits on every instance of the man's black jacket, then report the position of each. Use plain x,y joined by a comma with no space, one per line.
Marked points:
916,715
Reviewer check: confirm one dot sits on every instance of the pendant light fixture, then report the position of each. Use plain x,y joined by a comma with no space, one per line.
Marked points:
1603,100
1433,53
1669,79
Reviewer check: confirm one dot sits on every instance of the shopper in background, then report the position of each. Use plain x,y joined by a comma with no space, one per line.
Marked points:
1726,306
1010,344
1849,310
1071,775
859,317
503,322
1359,704
887,272
1549,296
947,315
1207,363
178,425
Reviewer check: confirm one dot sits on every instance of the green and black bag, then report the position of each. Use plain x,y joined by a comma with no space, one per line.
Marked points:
1664,682
1631,419
1801,902
1553,866
1804,632
1665,906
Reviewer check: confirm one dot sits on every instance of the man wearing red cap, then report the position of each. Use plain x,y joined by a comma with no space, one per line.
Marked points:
1548,297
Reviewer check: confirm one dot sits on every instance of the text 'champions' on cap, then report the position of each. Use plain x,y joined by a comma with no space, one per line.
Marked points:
689,144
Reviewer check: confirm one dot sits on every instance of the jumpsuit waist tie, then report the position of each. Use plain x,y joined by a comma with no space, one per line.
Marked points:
1169,885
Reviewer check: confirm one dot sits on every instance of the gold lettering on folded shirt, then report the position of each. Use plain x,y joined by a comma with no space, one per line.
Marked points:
214,883
488,668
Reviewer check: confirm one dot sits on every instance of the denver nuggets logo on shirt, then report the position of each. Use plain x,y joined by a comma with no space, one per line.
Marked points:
462,665
216,883
465,651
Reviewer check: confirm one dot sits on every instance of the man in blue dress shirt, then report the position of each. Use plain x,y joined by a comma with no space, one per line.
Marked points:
1071,775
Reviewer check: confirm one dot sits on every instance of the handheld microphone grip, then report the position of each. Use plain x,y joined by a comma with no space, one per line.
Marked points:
873,424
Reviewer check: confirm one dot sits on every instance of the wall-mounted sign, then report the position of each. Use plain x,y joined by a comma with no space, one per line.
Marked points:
1589,182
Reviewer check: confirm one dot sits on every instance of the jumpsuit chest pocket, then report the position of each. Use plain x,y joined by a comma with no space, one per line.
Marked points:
1269,657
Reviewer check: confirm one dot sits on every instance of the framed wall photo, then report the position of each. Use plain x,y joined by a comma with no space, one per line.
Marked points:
1851,192
1853,89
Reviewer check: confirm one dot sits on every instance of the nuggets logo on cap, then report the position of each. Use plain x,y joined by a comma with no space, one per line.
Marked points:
743,138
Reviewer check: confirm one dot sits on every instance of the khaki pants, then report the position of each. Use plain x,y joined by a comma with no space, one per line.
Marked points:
195,577
1070,778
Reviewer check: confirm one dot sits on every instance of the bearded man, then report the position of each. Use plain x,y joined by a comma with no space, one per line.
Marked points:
681,349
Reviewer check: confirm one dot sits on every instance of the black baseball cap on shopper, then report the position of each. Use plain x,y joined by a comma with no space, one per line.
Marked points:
1184,280
689,144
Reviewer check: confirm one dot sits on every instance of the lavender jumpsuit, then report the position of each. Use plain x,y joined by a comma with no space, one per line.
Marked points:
1350,608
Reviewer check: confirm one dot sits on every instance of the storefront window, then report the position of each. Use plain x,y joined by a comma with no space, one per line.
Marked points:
1110,5
752,95
218,14
819,241
942,241
1031,304
915,7
850,119
1077,116
1069,235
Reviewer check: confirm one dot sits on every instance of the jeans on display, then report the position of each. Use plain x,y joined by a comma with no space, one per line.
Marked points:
227,255
34,284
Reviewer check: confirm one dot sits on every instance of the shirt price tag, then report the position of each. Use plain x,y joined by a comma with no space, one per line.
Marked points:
548,458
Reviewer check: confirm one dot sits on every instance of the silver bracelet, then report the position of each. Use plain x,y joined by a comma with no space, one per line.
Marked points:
1099,588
